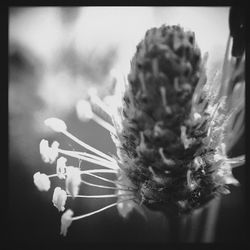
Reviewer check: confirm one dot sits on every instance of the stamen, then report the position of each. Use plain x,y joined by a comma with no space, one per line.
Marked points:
52,175
110,181
236,161
97,196
198,89
85,145
99,210
191,184
98,171
189,178
84,110
196,116
185,140
94,157
104,124
214,114
155,177
41,181
85,113
48,154
164,100
142,139
215,108
168,162
239,122
238,95
56,124
198,162
142,81
176,84
226,66
94,98
89,172
87,155
97,162
155,67
102,186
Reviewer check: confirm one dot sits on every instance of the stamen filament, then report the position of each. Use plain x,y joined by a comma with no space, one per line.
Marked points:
95,196
167,161
164,100
89,172
98,171
107,180
95,157
104,124
52,175
236,161
198,89
102,186
98,162
96,100
98,211
226,65
143,85
85,145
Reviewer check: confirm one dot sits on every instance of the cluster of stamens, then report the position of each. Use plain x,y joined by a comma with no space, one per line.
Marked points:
73,175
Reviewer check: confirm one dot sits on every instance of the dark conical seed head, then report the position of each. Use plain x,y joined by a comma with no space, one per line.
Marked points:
156,154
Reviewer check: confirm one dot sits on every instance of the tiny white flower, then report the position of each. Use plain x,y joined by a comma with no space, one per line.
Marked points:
61,167
56,124
84,110
49,154
66,221
41,181
59,198
73,180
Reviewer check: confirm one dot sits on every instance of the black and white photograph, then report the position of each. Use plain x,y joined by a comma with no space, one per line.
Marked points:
126,125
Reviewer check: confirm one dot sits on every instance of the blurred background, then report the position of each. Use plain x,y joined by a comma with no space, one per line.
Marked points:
55,56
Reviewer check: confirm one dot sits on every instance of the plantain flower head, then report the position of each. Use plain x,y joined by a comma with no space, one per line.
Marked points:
176,121
173,127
